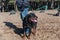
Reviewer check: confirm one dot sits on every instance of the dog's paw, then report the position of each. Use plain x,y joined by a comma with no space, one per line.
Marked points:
28,37
34,33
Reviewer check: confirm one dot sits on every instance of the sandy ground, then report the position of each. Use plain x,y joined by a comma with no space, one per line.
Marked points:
48,27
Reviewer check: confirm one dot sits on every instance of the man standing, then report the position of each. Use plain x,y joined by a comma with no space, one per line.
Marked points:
22,7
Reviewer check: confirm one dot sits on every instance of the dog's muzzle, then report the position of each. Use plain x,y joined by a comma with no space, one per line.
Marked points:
34,21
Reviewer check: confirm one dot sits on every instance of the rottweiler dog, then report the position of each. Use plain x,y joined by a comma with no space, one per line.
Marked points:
29,24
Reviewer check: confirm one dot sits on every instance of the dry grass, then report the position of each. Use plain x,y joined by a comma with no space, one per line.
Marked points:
48,27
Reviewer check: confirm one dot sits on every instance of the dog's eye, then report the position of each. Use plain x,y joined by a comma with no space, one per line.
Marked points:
35,18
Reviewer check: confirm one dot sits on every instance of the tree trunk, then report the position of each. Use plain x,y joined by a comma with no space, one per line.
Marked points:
58,5
2,7
15,6
52,4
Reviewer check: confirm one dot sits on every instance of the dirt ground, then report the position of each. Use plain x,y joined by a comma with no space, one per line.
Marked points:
48,27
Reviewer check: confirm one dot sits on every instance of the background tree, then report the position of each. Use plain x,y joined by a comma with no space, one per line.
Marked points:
52,4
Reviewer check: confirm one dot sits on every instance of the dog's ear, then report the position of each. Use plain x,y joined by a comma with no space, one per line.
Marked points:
36,16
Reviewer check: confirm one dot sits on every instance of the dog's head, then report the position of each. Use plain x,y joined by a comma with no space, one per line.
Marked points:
32,18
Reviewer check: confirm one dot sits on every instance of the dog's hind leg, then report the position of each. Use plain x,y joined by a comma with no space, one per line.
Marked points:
24,35
28,37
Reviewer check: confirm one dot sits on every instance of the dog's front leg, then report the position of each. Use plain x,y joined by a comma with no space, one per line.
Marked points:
34,31
34,26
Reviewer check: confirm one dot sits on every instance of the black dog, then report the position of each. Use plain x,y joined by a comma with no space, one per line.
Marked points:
30,24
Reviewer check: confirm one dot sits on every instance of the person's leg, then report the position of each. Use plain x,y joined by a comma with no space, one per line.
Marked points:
19,9
24,13
21,15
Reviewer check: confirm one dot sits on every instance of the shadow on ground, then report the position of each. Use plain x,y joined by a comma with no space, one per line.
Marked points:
57,14
18,31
